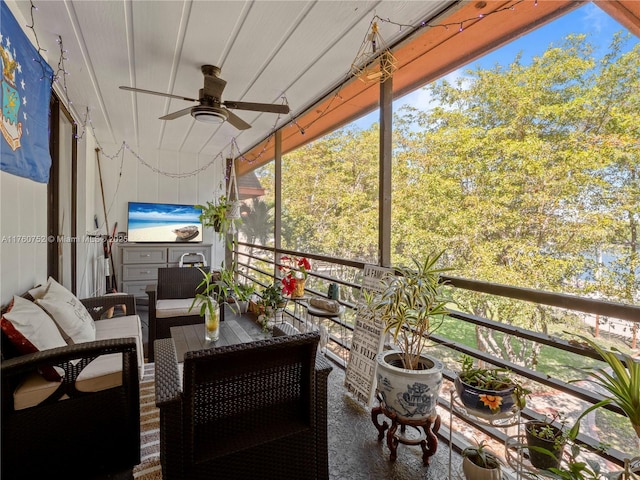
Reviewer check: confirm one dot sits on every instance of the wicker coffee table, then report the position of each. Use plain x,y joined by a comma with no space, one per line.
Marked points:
188,338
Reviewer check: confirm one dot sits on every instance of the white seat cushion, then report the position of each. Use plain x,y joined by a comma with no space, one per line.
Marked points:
33,390
121,327
103,373
176,307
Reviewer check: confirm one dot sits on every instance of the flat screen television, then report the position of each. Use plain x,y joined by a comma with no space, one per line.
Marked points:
163,222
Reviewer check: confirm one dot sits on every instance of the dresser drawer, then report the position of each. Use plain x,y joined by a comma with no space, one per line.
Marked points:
176,252
137,289
141,272
144,255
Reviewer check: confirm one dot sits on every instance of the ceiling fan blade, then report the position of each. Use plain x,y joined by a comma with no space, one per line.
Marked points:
258,107
236,121
160,94
179,113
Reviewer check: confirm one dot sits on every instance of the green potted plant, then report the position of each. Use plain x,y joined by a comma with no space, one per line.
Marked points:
575,468
271,302
215,214
489,393
622,384
236,294
480,463
546,445
545,441
242,293
205,298
411,306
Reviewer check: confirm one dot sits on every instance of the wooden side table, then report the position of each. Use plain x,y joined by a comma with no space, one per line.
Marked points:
426,438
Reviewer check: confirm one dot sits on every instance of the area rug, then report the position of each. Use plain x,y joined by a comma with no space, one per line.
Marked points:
149,467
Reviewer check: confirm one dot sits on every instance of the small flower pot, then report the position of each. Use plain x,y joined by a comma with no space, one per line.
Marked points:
298,288
474,472
550,458
487,404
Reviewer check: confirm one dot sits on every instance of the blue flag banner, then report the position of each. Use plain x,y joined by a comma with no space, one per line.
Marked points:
26,91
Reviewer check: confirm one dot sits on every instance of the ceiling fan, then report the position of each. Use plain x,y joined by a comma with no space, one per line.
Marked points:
211,108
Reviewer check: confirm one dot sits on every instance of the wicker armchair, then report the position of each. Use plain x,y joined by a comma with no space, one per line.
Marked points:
87,435
250,410
173,283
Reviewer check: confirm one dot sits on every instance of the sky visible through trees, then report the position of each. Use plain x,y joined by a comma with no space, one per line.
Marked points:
523,166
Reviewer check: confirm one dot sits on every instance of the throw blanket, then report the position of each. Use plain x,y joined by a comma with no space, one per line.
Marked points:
328,305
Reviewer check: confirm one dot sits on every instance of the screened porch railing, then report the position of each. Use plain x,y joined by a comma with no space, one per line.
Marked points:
257,264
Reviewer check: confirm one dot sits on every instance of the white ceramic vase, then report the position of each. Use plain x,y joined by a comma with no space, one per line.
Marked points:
410,394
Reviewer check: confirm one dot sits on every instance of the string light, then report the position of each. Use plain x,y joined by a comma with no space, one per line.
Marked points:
423,24
35,36
453,24
62,73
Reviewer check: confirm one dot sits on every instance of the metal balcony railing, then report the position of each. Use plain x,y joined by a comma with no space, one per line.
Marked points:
257,264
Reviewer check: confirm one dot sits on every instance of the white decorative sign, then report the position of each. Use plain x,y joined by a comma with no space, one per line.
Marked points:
368,340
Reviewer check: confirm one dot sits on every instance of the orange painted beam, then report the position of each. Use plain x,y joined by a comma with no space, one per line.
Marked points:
425,58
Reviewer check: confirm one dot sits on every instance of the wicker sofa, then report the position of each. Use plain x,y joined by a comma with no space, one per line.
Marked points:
257,408
87,425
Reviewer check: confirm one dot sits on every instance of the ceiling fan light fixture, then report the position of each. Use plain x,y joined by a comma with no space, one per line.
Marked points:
209,114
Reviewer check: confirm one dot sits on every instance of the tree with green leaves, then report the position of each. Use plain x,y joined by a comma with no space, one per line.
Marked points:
521,172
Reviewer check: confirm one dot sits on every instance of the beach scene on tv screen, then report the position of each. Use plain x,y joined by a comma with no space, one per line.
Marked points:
155,222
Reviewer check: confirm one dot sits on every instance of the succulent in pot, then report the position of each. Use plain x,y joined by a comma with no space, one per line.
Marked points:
489,393
545,442
480,463
411,306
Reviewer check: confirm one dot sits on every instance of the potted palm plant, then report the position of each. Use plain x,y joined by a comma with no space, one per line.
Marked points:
489,393
411,306
204,298
480,463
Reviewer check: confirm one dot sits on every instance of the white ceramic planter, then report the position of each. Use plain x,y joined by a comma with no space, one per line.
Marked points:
474,472
410,394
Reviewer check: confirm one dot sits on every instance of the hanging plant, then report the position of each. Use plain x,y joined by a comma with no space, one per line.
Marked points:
214,215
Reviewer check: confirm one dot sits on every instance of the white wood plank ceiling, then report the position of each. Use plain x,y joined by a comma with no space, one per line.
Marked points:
266,50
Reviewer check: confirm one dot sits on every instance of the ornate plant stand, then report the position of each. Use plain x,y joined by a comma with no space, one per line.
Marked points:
426,438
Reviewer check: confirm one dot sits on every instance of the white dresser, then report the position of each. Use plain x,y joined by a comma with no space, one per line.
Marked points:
139,262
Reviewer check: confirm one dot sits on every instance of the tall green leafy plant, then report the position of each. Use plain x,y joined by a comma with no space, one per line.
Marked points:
206,294
622,383
413,305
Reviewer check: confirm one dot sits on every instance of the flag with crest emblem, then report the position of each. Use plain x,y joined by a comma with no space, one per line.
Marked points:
25,95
